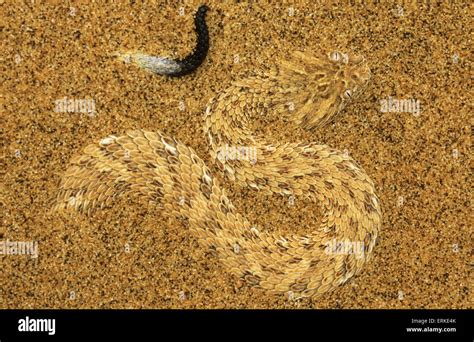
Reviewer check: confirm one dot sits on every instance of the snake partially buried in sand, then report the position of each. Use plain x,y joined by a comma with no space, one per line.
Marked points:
161,169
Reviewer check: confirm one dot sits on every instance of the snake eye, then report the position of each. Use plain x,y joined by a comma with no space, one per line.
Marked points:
335,56
347,93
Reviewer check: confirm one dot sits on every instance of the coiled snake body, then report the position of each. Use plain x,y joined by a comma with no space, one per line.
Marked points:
157,166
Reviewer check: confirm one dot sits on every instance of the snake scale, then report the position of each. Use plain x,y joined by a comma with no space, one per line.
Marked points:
161,169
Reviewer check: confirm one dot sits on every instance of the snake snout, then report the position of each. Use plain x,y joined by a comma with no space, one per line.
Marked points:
359,70
364,73
361,67
355,58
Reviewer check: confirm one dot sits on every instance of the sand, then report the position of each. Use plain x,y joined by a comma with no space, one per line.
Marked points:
133,256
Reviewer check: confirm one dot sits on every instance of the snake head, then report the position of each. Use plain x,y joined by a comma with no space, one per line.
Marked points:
326,84
352,74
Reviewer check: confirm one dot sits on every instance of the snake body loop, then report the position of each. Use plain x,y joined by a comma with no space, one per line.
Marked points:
158,167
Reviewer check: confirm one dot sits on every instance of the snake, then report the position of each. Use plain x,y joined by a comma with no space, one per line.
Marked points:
170,67
158,167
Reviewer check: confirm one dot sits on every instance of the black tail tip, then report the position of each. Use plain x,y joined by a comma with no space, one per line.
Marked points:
203,9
